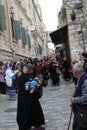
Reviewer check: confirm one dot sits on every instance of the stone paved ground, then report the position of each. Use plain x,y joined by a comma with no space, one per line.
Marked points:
55,104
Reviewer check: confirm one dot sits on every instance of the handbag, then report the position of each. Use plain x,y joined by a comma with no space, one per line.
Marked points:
82,114
39,92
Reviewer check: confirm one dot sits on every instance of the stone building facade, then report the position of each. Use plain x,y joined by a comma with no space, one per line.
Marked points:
21,30
77,27
62,16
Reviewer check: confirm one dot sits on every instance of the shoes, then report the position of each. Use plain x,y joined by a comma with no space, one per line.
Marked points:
67,79
12,98
57,84
42,128
37,128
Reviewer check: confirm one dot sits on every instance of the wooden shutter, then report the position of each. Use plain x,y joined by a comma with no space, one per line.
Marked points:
28,41
2,18
24,36
17,30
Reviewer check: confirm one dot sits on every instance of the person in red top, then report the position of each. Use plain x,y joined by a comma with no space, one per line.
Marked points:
39,70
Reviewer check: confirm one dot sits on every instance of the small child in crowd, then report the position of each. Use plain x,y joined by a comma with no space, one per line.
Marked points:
32,85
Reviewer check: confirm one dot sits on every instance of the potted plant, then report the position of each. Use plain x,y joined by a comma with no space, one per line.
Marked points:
63,14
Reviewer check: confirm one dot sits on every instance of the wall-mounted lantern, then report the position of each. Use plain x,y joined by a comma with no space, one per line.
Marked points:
73,15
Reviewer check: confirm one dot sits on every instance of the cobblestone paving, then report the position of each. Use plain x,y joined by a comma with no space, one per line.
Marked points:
55,104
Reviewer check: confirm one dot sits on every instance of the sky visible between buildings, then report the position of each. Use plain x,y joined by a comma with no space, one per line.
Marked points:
50,9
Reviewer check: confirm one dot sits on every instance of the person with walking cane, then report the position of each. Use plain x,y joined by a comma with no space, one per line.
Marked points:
78,101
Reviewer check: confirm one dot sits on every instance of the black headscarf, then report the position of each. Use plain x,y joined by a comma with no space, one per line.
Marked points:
22,80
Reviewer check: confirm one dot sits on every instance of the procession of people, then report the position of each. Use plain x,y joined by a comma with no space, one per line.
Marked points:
22,80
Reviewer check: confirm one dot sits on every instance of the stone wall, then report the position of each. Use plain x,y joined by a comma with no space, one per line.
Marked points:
77,29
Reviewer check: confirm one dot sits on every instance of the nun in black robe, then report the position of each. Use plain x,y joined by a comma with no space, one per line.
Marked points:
29,111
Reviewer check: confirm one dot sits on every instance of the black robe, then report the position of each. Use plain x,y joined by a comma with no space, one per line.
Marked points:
29,111
66,70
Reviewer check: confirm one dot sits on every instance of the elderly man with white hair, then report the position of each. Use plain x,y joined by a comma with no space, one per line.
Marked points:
79,98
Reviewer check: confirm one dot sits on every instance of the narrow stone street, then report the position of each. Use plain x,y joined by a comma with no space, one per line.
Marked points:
55,104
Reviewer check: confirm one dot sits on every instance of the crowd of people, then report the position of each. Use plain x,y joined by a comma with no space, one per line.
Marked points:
44,69
25,78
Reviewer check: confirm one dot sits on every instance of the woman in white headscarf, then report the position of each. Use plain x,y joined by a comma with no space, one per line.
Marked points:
10,77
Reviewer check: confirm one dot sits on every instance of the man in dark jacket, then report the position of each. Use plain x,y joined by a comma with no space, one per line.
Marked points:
80,96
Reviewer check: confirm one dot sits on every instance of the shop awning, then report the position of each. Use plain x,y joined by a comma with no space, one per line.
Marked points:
60,35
